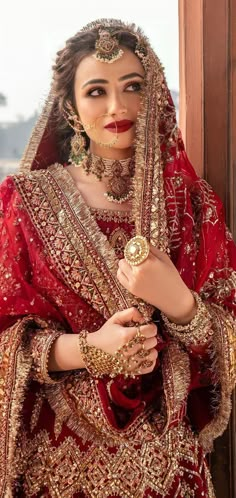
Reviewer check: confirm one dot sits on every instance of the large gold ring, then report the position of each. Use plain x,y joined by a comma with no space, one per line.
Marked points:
136,250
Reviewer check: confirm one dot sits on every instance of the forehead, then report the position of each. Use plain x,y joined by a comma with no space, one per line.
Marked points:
90,68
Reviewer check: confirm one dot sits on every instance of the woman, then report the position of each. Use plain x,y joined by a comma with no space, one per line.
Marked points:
118,289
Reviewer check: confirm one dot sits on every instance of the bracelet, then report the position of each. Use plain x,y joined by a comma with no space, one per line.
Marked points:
99,363
41,345
198,331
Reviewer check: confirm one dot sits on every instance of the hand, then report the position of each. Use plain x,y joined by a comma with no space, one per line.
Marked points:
114,335
158,282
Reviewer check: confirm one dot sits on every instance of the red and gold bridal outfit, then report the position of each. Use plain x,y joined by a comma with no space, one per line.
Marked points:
70,435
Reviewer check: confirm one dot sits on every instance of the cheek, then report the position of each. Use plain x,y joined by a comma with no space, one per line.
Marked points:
134,104
85,110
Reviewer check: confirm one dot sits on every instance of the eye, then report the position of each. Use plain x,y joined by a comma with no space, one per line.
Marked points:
96,92
136,86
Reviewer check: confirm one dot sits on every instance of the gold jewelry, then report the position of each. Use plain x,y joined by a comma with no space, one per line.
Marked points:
78,141
136,250
146,364
78,152
99,363
142,353
92,126
197,331
107,47
119,173
41,344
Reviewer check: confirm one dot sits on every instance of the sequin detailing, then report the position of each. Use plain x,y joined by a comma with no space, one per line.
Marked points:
129,470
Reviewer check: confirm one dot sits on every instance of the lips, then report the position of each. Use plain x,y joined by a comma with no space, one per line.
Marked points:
119,126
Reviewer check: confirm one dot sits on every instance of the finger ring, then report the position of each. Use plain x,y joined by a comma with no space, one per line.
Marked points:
146,364
136,250
142,353
139,337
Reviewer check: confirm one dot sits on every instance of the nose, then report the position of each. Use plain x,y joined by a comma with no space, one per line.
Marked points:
117,106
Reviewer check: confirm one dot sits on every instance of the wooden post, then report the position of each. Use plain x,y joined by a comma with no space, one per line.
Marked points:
191,80
208,121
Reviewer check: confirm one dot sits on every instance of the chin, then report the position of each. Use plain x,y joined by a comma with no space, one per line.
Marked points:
123,143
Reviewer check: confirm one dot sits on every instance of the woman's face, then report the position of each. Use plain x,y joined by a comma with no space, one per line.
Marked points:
108,99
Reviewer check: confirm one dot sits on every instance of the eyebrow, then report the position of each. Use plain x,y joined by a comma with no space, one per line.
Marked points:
122,78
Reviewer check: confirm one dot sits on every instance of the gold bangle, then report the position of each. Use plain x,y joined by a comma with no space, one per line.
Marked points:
198,331
41,345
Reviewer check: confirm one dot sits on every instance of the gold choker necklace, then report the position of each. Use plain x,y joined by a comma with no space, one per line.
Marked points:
119,173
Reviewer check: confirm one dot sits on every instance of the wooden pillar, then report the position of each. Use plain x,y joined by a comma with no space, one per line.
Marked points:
207,31
191,80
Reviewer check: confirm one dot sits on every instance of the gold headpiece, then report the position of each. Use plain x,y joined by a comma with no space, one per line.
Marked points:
107,47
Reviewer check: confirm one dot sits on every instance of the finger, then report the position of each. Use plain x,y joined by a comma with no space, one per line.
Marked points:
125,268
158,254
128,315
148,364
122,278
143,365
150,343
148,330
136,336
140,349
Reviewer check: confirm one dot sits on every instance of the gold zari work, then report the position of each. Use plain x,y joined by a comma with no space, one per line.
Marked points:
127,470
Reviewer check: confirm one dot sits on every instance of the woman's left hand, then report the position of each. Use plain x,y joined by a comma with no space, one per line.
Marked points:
158,282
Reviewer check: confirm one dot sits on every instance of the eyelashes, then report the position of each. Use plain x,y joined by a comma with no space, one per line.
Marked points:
96,92
134,87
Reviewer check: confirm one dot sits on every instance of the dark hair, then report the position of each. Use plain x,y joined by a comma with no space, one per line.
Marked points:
67,61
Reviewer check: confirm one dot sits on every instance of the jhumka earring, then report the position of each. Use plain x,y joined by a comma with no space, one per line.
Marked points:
78,142
107,47
78,151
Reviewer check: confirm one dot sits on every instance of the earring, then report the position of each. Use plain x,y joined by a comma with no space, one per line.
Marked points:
78,141
78,151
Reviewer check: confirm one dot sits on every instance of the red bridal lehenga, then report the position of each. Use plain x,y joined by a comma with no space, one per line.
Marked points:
79,436
70,435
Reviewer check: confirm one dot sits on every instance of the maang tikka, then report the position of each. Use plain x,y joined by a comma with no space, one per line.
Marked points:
107,47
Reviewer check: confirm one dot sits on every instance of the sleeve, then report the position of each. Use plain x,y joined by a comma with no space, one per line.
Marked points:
207,263
18,297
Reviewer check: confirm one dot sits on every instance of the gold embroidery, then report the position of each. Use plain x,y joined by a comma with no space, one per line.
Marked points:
118,240
223,363
77,403
83,255
41,343
218,287
128,470
111,215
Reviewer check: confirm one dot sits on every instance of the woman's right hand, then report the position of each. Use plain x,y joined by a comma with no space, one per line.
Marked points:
115,334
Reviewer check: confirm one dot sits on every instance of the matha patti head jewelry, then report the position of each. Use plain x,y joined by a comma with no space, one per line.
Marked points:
107,47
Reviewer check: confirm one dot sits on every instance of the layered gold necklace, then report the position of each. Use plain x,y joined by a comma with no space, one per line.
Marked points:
118,172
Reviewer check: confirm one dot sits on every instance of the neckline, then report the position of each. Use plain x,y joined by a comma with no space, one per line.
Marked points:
111,215
94,209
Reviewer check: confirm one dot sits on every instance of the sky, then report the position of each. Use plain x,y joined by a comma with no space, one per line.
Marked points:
32,31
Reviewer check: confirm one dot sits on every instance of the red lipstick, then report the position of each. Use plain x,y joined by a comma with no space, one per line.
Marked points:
119,126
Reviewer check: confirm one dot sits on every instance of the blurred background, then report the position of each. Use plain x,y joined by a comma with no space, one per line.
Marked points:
30,35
